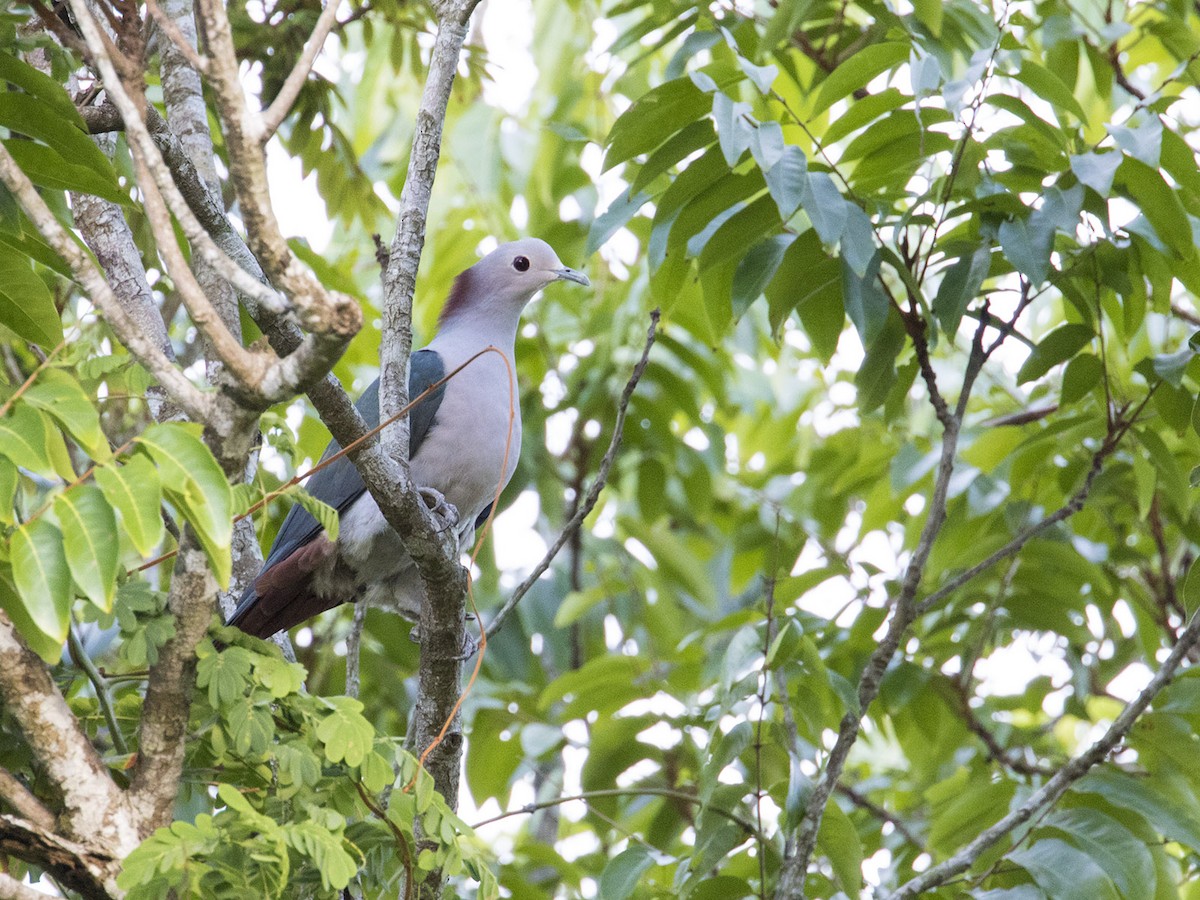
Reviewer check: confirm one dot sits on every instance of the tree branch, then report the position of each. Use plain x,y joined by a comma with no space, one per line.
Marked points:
93,807
669,793
583,509
1063,779
197,405
22,800
1068,509
332,319
155,778
795,868
863,802
273,117
77,866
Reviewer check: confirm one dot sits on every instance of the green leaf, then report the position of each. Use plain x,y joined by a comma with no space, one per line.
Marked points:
877,373
325,514
249,724
60,396
866,304
655,116
673,151
809,281
1097,170
46,167
1159,203
1168,805
1191,584
23,439
960,285
762,77
225,674
858,245
786,180
1143,143
194,482
722,887
25,302
327,852
1048,86
613,219
756,270
10,479
733,128
27,243
858,70
767,144
376,773
135,491
593,686
89,530
1064,872
929,13
1125,858
46,89
279,676
621,875
1171,366
347,736
48,648
787,16
838,839
26,115
42,577
1056,347
1027,244
825,206
1081,375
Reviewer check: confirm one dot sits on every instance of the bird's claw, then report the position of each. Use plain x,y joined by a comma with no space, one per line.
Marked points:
441,508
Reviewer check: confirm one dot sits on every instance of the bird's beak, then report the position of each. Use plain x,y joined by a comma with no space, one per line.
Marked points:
565,274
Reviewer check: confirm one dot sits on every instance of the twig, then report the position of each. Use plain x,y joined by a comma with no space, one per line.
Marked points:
274,115
1063,779
28,382
795,868
354,648
627,792
593,493
867,805
181,390
85,662
1186,314
400,838
995,751
1067,510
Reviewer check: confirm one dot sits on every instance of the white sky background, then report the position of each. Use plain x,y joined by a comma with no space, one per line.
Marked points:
518,546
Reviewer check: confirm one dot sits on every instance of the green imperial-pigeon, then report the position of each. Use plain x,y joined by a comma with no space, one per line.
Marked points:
457,439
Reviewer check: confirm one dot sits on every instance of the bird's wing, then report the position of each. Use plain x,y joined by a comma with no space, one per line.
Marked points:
339,483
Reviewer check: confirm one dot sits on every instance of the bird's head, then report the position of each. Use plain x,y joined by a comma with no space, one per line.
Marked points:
508,277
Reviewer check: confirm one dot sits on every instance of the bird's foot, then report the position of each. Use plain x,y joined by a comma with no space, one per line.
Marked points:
441,508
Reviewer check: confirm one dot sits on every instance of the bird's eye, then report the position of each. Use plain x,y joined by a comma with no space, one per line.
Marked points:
521,264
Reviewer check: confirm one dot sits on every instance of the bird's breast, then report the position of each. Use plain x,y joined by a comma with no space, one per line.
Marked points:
472,447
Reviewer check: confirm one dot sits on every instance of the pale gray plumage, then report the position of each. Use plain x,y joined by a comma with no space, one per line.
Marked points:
457,448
